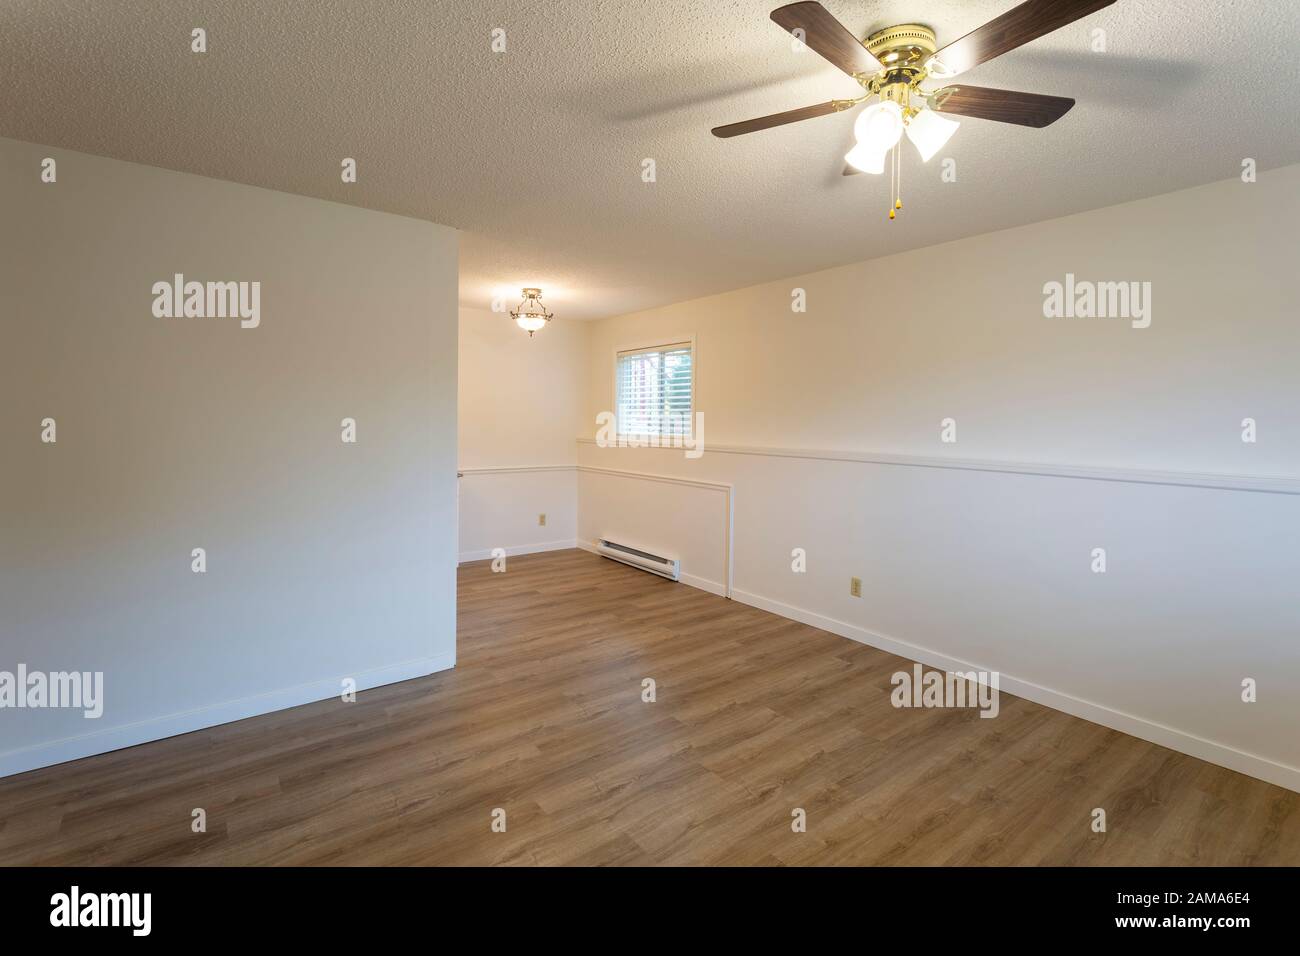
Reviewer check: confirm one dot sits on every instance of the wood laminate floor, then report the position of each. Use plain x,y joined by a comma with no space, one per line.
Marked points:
543,717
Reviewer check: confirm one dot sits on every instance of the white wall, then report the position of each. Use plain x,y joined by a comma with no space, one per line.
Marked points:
325,560
520,405
989,567
890,347
690,521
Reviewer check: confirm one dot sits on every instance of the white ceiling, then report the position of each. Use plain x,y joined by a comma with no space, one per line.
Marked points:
536,153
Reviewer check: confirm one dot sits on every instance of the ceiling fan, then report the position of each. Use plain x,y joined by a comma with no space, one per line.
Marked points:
893,63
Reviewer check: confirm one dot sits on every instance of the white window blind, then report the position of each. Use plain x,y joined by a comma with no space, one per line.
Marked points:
654,390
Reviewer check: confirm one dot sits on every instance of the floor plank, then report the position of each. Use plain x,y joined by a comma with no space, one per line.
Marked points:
543,717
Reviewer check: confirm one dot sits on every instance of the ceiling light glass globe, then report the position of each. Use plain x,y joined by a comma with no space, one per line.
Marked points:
929,132
879,126
866,160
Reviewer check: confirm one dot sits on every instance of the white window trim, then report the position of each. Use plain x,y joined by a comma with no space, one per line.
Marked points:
649,345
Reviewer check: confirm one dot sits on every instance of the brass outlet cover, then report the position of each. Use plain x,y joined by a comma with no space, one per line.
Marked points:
907,44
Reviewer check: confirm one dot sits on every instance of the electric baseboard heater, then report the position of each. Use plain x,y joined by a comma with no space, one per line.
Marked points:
654,563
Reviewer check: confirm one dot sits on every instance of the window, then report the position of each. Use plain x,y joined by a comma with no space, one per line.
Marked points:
654,390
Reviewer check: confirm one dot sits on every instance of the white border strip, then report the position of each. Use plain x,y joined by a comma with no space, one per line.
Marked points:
1279,484
512,469
1252,765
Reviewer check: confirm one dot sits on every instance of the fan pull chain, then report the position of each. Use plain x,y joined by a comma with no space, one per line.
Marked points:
895,180
893,171
898,194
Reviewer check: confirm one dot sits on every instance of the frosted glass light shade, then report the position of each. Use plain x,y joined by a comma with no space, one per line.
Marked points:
879,126
866,160
929,131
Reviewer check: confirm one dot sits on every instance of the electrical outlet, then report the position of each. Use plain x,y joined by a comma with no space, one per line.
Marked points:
855,587
541,520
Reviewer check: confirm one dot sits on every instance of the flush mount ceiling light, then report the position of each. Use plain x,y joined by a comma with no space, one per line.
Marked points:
892,64
531,314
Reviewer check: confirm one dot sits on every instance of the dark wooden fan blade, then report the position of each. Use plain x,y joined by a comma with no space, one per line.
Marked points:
1003,106
823,34
779,119
1016,27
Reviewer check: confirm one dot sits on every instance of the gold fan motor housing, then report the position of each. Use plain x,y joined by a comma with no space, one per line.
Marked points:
905,45
902,51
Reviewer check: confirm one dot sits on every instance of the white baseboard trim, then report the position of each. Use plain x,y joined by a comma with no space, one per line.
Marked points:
159,728
512,470
1223,755
518,549
690,580
704,584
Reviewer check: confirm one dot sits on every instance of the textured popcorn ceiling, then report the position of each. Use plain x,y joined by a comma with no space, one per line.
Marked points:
536,153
